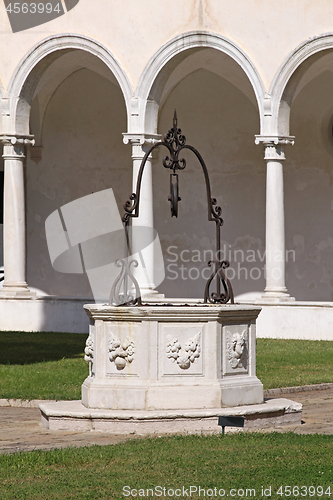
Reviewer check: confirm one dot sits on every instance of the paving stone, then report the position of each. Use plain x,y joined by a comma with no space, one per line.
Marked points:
20,428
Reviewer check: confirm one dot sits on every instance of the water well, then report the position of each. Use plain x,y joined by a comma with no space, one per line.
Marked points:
169,367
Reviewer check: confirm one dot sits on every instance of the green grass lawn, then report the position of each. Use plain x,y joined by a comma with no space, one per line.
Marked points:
42,365
287,363
51,365
240,462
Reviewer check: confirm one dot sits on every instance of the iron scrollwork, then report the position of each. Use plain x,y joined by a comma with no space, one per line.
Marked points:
175,142
174,197
120,295
219,297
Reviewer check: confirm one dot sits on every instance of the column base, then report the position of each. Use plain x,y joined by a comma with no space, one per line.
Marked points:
16,291
275,296
151,294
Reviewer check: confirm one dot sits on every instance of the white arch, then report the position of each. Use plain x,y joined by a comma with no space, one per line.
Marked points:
46,51
289,74
153,77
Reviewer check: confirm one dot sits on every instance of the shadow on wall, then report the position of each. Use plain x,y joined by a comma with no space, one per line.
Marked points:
308,181
220,121
78,159
82,153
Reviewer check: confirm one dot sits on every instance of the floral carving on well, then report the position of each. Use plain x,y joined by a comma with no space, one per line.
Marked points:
183,356
236,348
89,350
121,353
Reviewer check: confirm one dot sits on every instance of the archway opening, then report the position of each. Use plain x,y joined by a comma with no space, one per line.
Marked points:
78,115
218,113
308,178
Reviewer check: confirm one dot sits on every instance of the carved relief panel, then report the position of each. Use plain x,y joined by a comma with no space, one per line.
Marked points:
180,349
121,350
235,351
89,350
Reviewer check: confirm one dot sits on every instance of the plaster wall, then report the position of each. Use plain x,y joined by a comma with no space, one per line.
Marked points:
266,31
81,134
220,121
294,321
309,190
298,320
218,113
82,153
43,315
219,117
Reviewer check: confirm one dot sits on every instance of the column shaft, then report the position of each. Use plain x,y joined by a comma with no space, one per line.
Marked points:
144,273
275,233
275,289
14,227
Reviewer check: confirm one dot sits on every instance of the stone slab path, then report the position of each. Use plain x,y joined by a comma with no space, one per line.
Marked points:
20,428
317,412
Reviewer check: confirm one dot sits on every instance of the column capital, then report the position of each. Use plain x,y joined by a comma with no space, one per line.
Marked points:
26,140
275,140
13,146
274,146
141,139
140,143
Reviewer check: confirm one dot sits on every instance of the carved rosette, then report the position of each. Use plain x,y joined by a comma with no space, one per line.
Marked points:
89,350
183,357
121,353
237,348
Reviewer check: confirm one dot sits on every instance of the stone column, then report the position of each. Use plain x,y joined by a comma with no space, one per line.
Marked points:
15,284
275,290
140,145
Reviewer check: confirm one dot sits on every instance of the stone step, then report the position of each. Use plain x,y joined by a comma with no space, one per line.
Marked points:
73,416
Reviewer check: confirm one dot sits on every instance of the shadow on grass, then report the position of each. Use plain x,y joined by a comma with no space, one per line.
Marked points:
22,348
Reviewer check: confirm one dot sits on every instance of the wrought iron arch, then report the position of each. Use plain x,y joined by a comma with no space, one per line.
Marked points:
175,142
